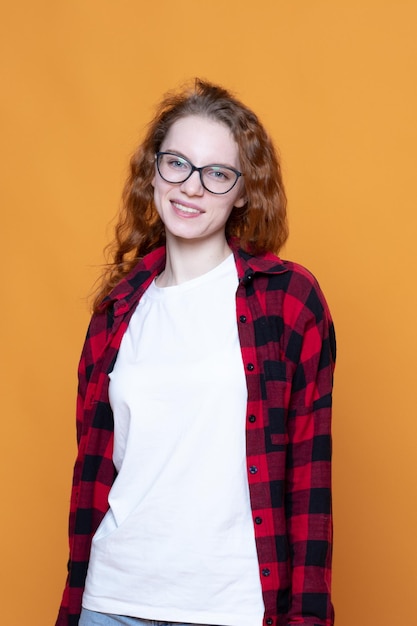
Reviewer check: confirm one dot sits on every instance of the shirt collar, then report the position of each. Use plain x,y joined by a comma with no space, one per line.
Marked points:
133,285
250,264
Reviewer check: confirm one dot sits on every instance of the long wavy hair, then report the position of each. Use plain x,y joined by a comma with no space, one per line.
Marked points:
260,225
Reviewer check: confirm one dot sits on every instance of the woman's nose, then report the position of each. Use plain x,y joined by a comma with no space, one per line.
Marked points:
192,186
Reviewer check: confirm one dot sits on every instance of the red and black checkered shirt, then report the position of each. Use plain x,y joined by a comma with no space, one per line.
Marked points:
288,350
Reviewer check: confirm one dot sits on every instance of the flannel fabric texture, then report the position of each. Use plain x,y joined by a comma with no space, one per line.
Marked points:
288,351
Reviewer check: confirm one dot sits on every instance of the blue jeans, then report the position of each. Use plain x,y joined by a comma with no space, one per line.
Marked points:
91,618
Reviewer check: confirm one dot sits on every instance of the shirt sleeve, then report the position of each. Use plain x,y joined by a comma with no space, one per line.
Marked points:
311,351
92,349
81,400
63,616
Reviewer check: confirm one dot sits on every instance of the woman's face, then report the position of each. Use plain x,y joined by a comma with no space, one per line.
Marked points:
187,209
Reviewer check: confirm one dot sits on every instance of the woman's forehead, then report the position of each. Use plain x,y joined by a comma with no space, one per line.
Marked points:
203,139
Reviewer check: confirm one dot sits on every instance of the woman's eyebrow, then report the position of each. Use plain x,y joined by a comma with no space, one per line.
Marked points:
181,154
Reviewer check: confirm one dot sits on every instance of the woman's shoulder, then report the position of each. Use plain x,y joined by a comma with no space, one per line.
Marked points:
283,280
270,264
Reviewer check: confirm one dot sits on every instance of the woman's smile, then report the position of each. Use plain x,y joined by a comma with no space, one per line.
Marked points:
187,209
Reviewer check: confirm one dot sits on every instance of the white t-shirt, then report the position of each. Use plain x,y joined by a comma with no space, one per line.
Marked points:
177,543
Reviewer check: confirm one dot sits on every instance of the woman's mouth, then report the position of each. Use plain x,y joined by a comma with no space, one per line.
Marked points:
189,210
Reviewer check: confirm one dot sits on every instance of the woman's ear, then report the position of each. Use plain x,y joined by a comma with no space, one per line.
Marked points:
241,201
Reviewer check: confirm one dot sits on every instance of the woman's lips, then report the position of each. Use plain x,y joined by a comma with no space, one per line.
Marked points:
187,210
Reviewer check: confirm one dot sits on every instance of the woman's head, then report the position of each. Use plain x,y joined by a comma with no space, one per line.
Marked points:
197,181
260,223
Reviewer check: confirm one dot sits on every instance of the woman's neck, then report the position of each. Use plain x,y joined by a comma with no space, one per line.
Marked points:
186,260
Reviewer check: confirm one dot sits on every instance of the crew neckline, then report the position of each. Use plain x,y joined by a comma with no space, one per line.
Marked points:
216,272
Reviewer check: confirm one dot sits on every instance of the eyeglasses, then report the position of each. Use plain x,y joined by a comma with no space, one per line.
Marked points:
175,169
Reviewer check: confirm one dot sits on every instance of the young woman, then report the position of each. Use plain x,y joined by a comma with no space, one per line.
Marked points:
201,490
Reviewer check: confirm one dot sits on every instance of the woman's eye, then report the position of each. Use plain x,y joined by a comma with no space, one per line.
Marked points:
219,174
177,164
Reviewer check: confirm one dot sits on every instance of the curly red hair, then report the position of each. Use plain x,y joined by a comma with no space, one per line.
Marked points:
260,225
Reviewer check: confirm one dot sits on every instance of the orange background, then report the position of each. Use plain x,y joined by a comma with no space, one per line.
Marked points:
335,83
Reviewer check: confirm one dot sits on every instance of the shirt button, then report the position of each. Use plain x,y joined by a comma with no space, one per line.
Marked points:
250,367
269,621
258,520
242,318
253,469
266,572
252,418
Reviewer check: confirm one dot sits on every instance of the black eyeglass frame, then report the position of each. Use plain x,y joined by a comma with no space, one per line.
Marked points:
199,170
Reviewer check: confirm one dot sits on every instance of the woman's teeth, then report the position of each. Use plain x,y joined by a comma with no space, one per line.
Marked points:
185,209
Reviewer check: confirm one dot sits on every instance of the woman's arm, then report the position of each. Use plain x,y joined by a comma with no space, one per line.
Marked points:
312,350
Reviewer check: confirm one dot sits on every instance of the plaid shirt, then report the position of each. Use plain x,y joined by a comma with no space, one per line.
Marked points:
288,350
